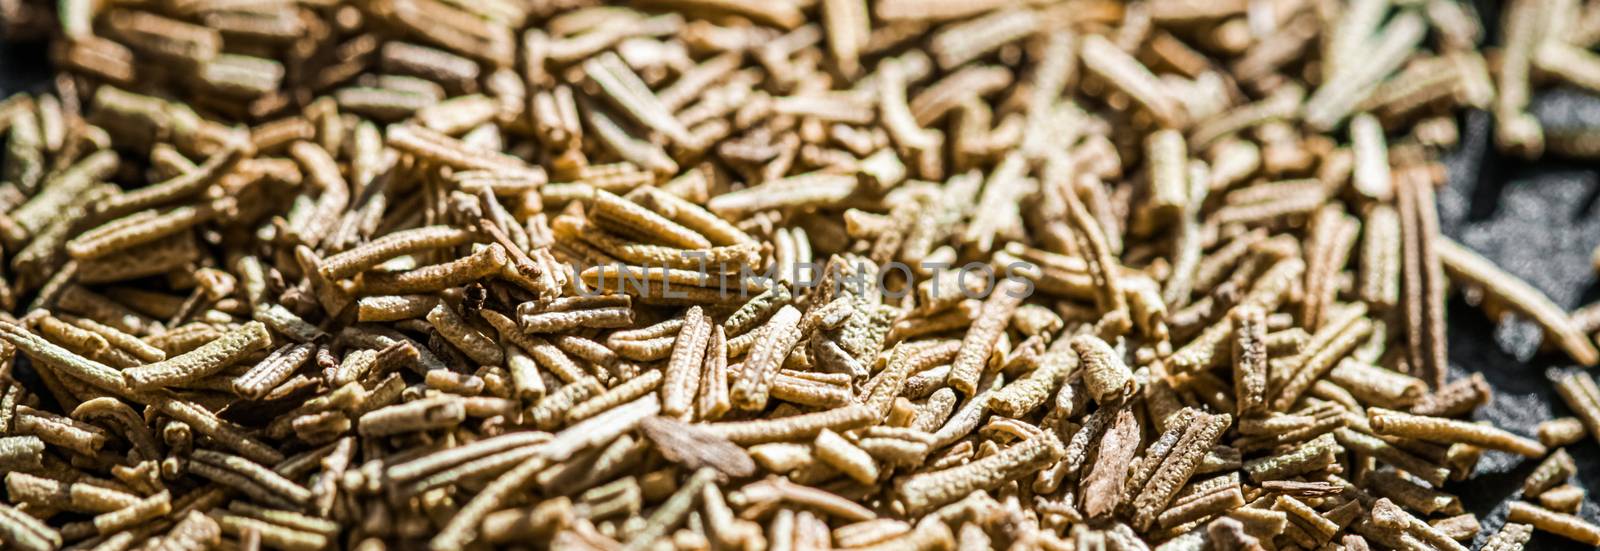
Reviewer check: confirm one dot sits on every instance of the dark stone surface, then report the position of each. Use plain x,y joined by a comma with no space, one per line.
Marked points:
1538,220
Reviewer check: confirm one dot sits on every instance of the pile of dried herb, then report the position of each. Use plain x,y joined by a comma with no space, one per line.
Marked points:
776,274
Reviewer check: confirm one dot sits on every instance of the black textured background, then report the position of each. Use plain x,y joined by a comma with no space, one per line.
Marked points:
1538,220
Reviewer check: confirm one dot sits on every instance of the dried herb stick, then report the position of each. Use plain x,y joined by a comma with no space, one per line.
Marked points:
761,275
